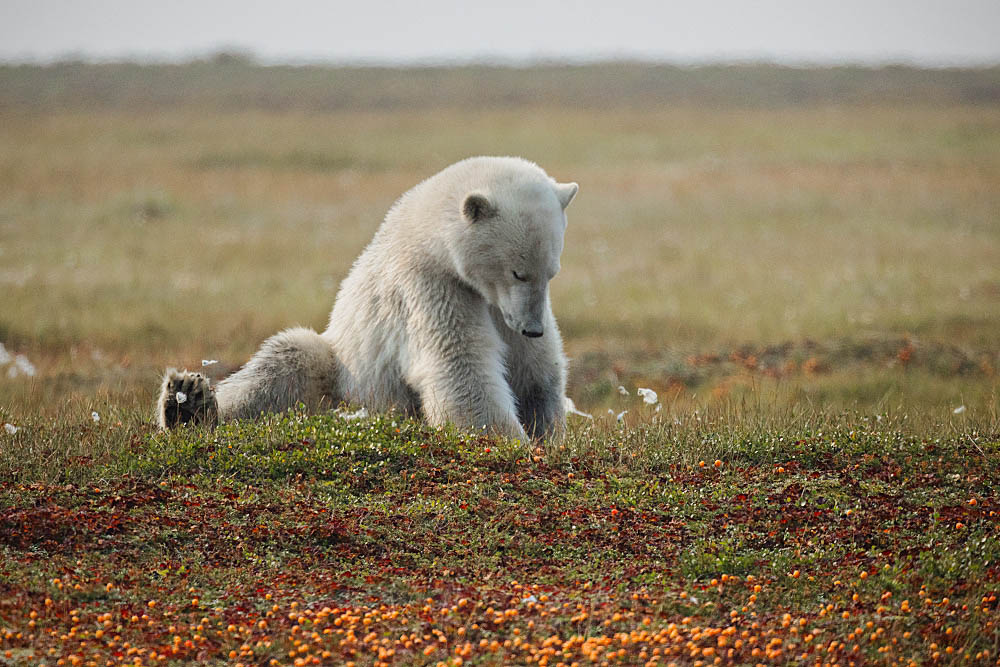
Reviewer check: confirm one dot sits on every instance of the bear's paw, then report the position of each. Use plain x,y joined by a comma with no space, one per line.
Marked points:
187,398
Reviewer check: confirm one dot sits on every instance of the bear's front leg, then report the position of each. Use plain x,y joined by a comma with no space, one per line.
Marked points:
459,377
536,368
480,399
541,409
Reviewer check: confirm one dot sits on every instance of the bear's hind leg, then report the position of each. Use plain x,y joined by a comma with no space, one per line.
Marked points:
295,366
292,367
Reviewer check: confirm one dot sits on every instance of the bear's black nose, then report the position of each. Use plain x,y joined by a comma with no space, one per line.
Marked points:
531,334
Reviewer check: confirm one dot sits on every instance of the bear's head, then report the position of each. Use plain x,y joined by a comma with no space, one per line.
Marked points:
509,248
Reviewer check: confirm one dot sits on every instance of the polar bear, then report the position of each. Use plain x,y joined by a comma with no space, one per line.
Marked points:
445,315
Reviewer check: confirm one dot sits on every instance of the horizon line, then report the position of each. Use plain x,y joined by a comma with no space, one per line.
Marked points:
247,56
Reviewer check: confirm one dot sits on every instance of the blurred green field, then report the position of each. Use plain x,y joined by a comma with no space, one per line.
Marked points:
837,248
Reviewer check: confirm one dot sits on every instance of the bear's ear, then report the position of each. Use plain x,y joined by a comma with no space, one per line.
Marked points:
477,207
565,192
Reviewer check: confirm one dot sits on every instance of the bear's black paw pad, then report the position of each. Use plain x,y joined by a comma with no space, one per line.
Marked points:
187,398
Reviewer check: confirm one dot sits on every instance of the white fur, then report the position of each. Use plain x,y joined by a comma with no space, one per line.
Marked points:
431,319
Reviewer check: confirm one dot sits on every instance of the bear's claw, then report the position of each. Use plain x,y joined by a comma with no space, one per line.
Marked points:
187,398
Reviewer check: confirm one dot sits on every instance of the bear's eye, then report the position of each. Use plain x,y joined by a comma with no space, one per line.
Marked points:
519,277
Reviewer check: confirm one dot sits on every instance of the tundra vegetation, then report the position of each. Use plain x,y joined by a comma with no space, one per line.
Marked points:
803,265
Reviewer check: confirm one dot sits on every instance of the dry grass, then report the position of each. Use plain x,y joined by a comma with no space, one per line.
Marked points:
843,256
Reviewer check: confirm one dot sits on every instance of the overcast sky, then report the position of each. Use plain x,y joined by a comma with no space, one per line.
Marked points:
945,32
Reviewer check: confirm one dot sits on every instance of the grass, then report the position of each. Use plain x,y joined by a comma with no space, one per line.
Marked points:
301,539
811,285
132,242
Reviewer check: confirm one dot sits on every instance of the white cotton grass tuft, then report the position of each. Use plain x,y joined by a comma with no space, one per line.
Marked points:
571,408
959,410
361,413
620,418
622,390
96,417
181,397
21,366
25,366
11,429
209,362
648,396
